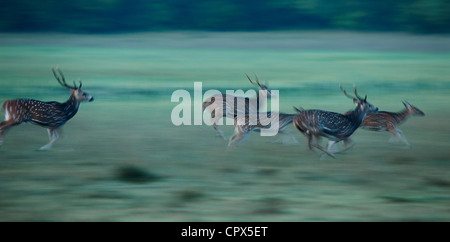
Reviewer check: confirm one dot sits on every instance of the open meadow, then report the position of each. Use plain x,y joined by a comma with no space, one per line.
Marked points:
122,159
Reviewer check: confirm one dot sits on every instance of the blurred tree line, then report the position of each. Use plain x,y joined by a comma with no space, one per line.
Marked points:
429,16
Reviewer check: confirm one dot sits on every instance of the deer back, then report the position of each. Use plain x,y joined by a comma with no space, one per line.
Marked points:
46,114
332,125
383,120
230,105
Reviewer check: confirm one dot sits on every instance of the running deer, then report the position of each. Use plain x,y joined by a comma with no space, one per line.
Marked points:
334,126
50,115
244,125
388,121
228,105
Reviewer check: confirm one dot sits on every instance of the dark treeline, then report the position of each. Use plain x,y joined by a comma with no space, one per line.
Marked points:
426,16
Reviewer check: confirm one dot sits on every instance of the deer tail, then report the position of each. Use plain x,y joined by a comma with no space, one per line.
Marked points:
3,106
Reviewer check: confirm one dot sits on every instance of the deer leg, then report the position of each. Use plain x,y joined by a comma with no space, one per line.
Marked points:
402,137
237,137
5,126
294,140
215,120
219,132
399,135
316,144
234,138
53,135
322,148
286,138
348,144
393,131
280,140
332,147
308,138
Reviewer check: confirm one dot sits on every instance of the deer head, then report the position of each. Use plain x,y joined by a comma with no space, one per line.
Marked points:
413,110
261,87
360,102
75,90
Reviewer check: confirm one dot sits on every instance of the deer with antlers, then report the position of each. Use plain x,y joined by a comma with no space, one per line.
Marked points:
243,124
388,121
334,126
50,115
223,105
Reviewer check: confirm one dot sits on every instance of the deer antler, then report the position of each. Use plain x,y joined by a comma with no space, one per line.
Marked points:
257,80
250,79
356,93
62,81
345,93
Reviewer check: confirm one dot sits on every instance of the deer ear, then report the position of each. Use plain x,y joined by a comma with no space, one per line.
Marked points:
407,105
299,110
355,101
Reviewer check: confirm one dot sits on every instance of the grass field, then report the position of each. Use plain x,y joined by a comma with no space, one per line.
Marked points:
122,159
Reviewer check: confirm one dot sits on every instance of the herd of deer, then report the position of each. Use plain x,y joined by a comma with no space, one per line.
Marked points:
312,124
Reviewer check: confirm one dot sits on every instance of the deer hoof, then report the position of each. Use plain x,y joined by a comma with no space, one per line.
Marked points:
45,147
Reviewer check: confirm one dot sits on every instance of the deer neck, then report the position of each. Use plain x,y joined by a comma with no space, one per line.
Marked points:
288,117
285,119
71,106
402,116
261,95
356,116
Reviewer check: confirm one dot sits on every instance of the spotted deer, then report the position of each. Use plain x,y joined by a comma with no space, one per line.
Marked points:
50,115
334,126
388,121
243,124
228,105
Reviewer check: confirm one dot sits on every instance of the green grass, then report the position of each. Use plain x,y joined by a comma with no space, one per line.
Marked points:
128,125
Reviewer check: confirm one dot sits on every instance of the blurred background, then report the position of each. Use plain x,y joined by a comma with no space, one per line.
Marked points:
93,16
122,159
